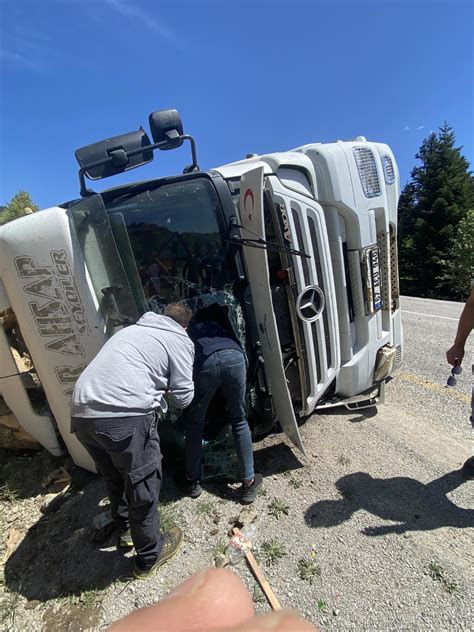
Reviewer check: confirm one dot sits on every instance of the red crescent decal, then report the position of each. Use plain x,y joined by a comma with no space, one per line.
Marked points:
249,194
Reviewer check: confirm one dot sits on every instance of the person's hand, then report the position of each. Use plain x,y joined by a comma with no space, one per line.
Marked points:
214,600
455,355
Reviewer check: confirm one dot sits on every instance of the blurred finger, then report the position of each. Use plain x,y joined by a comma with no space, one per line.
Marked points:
281,621
210,600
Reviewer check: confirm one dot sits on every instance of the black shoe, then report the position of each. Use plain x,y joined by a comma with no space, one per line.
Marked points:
193,489
467,469
173,539
250,491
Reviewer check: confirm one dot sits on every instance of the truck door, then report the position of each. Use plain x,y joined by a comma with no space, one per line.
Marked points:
252,220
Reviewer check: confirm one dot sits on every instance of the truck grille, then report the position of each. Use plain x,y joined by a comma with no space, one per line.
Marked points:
317,335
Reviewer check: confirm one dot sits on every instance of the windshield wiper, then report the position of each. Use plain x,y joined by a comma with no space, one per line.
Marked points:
260,242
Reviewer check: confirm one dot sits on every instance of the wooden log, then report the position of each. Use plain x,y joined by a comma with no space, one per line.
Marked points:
12,435
257,571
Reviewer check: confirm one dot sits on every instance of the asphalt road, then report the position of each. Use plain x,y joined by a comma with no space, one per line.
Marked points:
420,386
430,327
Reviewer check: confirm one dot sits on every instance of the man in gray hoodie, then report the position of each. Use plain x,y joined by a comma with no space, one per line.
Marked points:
116,404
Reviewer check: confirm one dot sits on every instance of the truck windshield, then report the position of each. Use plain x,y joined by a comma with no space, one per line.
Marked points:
171,235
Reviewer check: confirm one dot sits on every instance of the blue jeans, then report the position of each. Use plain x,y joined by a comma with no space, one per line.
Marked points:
224,369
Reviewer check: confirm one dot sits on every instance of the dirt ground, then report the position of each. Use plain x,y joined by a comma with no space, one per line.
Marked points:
373,530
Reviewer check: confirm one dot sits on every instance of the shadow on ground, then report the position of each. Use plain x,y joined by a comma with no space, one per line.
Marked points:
275,459
22,471
414,505
57,559
358,415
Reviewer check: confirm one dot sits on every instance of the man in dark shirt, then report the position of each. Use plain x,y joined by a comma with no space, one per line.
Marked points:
219,363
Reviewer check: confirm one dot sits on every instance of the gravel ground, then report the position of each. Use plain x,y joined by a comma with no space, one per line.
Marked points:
381,517
373,530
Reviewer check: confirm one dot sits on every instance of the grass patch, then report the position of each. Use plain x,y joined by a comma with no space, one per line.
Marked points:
258,596
272,552
9,494
8,607
322,606
343,460
87,598
219,548
436,572
308,570
296,483
167,519
278,508
204,507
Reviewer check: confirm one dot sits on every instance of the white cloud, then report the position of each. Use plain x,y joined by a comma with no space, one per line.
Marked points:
420,127
31,61
406,128
128,10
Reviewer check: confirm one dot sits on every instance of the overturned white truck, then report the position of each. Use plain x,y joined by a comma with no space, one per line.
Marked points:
296,249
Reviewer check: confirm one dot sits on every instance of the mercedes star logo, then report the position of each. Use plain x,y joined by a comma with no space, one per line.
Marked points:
310,303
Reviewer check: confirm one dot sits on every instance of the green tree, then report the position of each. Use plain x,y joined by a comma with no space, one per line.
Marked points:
459,268
20,204
432,206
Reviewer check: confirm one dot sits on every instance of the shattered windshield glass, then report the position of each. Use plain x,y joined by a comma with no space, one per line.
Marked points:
174,238
170,235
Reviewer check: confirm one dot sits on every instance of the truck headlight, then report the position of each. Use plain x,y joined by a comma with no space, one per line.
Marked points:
367,167
388,169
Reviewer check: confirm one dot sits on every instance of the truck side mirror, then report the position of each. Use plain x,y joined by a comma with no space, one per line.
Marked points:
115,155
166,126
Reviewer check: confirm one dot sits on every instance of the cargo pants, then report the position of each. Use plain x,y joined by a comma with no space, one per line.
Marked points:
126,452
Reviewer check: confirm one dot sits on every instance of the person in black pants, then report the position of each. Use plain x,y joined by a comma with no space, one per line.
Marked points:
116,404
219,364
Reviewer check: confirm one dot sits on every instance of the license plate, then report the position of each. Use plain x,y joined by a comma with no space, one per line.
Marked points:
376,289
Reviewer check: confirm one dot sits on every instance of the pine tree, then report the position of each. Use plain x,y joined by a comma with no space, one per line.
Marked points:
432,205
19,205
459,268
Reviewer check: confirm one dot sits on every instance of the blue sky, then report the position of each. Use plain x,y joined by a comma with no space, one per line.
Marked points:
248,76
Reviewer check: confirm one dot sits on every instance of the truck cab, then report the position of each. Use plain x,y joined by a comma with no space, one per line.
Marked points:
296,250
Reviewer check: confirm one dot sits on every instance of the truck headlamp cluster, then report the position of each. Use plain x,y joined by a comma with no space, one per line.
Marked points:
388,169
367,167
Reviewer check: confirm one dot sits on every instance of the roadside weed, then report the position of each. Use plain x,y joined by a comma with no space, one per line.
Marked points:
321,606
436,572
87,598
8,606
296,483
278,508
272,551
219,548
8,494
343,460
258,596
167,519
308,570
204,507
